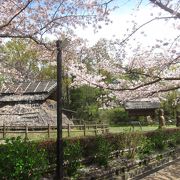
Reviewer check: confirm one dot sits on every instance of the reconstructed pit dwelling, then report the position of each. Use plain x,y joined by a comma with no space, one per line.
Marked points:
29,103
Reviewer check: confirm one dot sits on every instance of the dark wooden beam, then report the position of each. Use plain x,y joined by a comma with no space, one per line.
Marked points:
59,163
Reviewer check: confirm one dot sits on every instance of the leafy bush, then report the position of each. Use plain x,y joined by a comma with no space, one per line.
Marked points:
103,145
72,154
50,148
160,140
114,116
21,160
132,140
174,139
177,137
84,101
102,151
146,148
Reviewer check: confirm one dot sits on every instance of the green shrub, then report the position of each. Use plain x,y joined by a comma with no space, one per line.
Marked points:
132,140
177,137
154,140
174,139
21,160
160,140
102,151
50,148
72,154
84,101
114,116
146,148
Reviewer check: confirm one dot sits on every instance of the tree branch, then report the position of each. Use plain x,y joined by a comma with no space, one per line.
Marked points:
164,90
154,19
27,37
19,12
164,7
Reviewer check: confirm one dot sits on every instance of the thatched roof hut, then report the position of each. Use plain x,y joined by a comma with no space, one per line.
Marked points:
145,106
30,103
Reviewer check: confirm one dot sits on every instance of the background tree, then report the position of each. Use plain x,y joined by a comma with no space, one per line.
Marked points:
20,55
171,105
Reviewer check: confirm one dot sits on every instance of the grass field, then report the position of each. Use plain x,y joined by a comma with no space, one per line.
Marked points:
118,129
73,133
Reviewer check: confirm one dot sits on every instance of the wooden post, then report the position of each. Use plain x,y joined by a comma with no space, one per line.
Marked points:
59,143
49,128
101,128
82,121
4,131
69,128
140,126
133,126
107,129
84,129
125,174
95,129
79,125
177,119
26,132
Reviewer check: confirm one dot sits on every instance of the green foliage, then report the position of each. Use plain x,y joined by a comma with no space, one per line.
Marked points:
72,154
50,148
47,71
1,80
170,105
131,141
177,137
135,74
102,151
19,54
146,148
174,139
159,140
114,116
22,55
100,147
21,160
84,101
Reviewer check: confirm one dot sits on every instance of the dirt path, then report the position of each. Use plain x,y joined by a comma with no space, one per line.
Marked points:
171,172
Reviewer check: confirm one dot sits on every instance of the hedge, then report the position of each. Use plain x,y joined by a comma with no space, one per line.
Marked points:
116,140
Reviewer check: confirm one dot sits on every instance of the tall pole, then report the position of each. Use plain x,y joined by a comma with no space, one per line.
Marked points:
59,144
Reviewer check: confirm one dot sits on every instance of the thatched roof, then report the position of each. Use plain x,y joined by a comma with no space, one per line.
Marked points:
139,104
28,91
22,114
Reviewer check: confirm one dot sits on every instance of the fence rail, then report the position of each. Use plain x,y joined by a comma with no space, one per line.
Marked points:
84,128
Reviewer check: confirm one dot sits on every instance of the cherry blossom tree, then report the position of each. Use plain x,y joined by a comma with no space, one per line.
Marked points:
34,18
146,71
146,74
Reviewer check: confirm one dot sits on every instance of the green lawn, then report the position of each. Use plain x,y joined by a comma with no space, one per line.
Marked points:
118,129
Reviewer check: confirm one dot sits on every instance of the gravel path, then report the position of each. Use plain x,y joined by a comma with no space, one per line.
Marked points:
171,172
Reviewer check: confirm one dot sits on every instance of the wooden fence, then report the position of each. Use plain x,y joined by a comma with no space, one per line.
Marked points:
85,128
